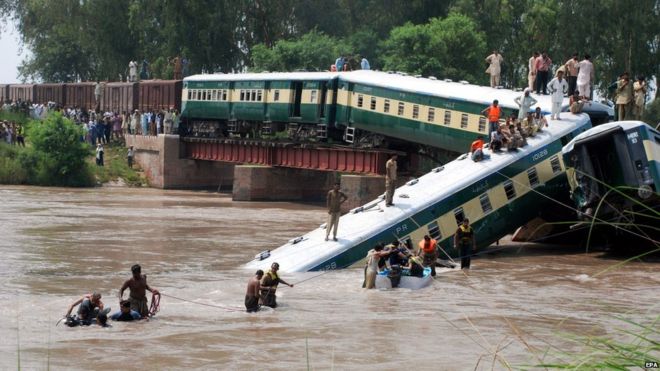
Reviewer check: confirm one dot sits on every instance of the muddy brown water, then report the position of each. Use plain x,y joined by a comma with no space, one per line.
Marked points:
56,244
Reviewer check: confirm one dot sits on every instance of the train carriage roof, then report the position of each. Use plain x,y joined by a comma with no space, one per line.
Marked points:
460,91
264,76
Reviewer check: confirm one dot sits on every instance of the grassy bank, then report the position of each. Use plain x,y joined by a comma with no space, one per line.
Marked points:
116,167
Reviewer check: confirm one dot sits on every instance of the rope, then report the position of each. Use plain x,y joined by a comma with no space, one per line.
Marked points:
155,304
204,304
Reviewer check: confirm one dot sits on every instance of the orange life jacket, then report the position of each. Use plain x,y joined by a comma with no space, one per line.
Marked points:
477,144
428,248
494,114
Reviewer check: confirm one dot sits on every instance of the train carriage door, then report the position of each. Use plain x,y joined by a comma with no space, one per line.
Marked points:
297,97
322,99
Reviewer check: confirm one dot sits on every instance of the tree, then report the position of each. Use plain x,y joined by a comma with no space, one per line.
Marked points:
449,47
313,51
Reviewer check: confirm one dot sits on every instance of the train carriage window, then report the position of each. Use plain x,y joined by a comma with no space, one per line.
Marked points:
359,101
242,95
554,163
533,177
401,109
190,94
259,95
431,117
313,96
373,103
415,111
407,242
253,94
482,124
510,190
195,94
203,95
386,106
224,95
214,95
434,231
447,117
464,121
459,214
276,96
486,207
208,94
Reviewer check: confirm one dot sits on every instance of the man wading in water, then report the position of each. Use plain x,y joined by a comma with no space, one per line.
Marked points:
269,286
138,286
252,294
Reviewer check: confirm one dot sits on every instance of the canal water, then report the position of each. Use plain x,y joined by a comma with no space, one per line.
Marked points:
518,306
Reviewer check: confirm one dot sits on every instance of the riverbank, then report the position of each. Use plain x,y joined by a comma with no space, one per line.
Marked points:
116,171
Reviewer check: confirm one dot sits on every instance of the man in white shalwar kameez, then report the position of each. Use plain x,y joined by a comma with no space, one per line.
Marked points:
557,87
585,76
495,60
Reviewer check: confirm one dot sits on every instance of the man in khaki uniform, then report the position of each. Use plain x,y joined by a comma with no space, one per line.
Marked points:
624,96
334,200
390,180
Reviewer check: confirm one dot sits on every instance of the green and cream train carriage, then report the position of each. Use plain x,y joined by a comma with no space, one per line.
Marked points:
498,195
370,107
219,104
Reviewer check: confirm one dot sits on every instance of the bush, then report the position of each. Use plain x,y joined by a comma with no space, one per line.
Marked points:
56,156
652,113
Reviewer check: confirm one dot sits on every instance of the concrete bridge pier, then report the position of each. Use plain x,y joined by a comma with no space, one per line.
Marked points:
161,159
267,183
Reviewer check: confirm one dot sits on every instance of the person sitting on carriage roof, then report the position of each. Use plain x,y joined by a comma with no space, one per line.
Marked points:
477,149
496,140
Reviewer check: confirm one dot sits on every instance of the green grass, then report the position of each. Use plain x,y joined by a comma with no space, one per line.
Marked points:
116,166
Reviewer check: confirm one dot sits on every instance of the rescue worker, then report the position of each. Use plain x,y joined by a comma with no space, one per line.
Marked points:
390,180
624,96
493,113
253,292
429,252
399,254
477,149
268,286
138,287
125,314
373,257
465,242
90,307
333,201
415,266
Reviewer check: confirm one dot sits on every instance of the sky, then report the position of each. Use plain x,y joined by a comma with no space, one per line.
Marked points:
10,57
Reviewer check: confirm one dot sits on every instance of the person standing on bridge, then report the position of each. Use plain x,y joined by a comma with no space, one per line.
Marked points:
333,201
390,180
465,242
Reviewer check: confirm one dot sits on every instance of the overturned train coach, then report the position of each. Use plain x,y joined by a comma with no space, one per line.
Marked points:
614,175
365,108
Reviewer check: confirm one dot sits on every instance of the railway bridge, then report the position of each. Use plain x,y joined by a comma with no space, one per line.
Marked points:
258,170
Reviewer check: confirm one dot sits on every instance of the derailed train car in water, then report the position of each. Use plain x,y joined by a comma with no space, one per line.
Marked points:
614,174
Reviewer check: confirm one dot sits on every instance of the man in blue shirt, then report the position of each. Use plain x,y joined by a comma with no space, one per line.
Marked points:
126,314
339,63
364,64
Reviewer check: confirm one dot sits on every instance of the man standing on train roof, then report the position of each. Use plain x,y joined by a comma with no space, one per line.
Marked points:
390,180
531,74
333,201
429,252
465,242
571,67
624,96
268,286
364,64
585,76
494,68
493,113
252,294
138,287
339,63
542,66
558,87
525,102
